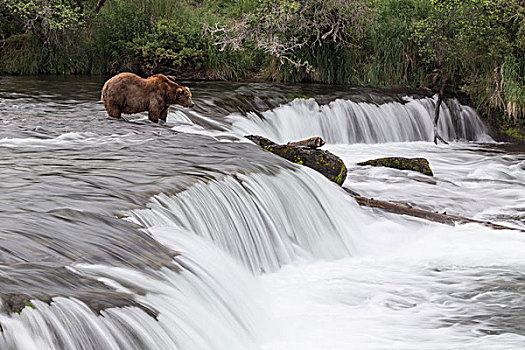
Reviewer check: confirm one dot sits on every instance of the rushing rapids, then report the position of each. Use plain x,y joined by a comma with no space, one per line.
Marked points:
264,221
347,122
198,240
343,121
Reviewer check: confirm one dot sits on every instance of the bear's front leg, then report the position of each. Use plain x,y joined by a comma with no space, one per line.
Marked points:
153,116
156,107
164,114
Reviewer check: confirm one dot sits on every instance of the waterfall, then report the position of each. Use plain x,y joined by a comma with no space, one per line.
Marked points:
228,246
258,220
264,221
212,303
347,122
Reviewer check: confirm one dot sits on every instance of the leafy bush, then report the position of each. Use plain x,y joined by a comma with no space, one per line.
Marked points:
394,56
170,46
112,31
21,54
472,45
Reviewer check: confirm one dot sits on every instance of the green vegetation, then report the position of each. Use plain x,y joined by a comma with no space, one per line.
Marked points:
516,130
476,47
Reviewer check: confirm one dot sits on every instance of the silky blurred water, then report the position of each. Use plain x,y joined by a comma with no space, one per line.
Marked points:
187,236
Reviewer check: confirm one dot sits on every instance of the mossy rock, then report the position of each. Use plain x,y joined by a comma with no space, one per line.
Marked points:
15,303
322,161
415,164
18,292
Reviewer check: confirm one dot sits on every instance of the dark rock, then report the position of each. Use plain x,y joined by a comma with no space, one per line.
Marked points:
261,141
416,164
324,162
16,303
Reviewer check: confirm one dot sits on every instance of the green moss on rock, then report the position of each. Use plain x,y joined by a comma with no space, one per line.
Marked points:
322,161
416,164
29,304
16,303
339,179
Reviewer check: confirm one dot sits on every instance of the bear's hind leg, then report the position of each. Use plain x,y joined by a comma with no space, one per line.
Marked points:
114,111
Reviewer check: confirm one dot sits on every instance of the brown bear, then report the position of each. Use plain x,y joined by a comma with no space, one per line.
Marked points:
128,93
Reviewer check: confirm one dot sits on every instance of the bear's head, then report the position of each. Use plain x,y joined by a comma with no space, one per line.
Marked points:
184,97
180,95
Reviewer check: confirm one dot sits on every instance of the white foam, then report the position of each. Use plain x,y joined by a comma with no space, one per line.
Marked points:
348,122
69,139
425,292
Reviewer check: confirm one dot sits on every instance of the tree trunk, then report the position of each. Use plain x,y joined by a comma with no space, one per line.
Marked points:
442,218
436,113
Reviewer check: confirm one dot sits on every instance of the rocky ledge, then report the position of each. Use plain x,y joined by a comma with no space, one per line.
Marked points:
322,161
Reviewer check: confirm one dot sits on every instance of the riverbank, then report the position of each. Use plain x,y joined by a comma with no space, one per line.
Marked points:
372,43
503,130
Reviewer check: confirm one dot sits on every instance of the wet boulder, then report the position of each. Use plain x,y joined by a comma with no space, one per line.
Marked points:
324,162
415,164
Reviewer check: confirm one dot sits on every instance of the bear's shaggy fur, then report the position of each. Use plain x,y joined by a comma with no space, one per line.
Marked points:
128,93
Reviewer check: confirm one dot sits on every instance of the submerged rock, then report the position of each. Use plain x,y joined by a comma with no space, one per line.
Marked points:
324,162
416,164
48,282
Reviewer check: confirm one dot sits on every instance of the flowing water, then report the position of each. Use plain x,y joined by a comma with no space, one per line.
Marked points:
129,235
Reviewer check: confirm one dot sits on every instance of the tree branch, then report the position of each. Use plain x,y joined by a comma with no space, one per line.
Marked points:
442,218
24,24
97,8
444,78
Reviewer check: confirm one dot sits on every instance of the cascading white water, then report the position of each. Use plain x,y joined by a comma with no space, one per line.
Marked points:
348,122
406,282
265,221
211,304
403,276
338,276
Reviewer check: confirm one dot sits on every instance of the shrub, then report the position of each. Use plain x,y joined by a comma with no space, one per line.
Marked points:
171,47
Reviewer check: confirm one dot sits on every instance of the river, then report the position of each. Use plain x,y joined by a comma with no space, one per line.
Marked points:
131,235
